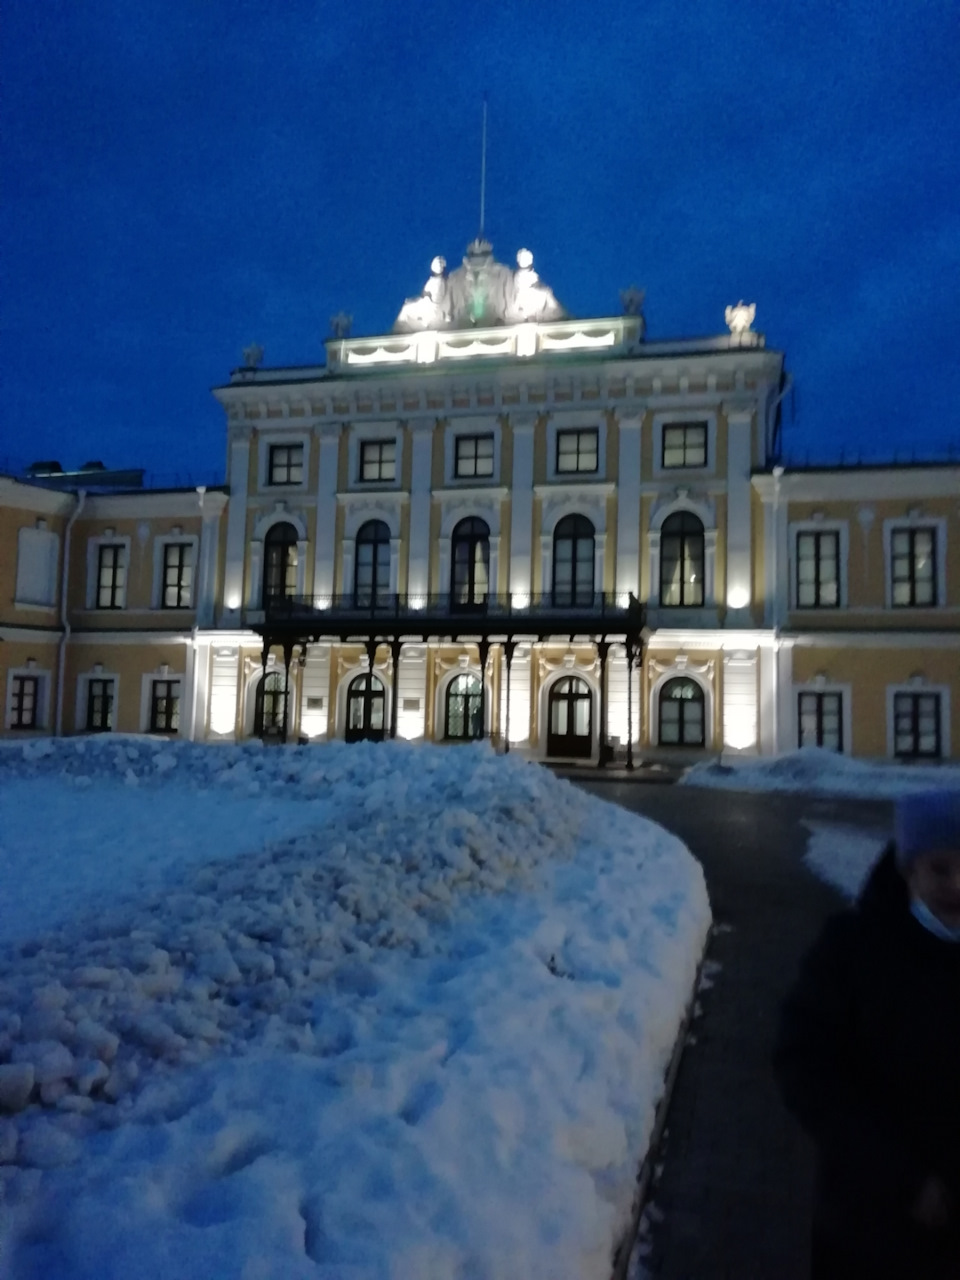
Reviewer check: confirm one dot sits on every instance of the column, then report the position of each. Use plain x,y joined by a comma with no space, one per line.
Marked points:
738,593
324,558
628,508
238,480
521,505
421,477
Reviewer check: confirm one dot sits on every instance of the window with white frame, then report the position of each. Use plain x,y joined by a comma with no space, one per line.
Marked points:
378,460
917,724
818,569
111,575
820,720
24,702
101,699
38,551
165,706
177,575
577,451
913,566
285,464
684,444
473,457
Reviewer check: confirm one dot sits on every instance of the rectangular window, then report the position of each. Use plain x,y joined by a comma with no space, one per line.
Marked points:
23,710
378,460
685,444
821,720
111,576
913,567
916,725
577,451
177,575
286,464
818,570
100,699
474,457
165,706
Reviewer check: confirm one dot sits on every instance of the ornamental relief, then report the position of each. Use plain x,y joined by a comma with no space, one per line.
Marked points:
572,662
592,505
681,665
694,500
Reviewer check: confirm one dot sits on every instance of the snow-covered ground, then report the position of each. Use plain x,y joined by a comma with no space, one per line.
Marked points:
818,771
370,1011
839,853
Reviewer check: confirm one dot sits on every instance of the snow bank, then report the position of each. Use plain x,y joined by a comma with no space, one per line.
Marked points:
814,769
423,1037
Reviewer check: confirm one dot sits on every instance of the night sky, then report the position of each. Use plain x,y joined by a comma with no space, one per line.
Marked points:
180,179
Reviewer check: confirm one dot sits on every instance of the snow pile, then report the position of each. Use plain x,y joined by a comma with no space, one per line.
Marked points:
814,769
842,855
424,1038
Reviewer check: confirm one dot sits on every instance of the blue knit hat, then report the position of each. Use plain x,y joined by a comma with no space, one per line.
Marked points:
924,821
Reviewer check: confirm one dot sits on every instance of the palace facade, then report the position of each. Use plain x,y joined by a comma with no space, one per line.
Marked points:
496,521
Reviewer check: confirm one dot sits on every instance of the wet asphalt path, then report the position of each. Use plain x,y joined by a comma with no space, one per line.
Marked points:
735,1189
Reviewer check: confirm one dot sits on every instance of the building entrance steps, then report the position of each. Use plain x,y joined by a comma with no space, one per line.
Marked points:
734,1195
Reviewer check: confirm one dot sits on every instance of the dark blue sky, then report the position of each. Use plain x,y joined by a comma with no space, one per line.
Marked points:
179,179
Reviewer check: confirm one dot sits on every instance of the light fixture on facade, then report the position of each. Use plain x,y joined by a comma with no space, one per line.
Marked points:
233,600
418,602
519,601
738,598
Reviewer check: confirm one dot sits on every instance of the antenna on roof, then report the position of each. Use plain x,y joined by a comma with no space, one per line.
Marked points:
483,166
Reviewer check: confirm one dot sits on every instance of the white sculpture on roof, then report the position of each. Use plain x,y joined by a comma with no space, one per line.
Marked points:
739,318
481,292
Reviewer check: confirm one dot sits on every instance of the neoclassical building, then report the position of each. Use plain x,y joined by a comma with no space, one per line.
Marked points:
496,521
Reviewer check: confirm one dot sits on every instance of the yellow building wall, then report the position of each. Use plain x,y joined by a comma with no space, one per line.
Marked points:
128,664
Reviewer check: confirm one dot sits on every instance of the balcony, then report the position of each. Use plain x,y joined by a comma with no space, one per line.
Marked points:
443,616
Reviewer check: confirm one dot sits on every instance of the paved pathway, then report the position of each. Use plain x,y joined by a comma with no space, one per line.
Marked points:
736,1184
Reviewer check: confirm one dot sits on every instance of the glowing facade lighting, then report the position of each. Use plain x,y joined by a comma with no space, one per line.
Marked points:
738,598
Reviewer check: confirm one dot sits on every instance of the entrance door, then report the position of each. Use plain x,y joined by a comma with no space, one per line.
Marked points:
366,707
570,719
269,706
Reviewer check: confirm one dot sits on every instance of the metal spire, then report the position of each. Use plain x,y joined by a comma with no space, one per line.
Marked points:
483,166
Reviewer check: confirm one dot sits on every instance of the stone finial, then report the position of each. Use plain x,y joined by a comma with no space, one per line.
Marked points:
340,325
253,356
632,300
739,318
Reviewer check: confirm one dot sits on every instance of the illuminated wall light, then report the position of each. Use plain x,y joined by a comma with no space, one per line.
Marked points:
739,729
623,599
519,600
738,598
223,711
233,600
418,602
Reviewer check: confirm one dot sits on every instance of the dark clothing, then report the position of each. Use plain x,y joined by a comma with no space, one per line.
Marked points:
868,1059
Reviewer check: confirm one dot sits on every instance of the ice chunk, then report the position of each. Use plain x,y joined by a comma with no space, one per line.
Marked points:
47,1146
93,1039
90,1074
51,1059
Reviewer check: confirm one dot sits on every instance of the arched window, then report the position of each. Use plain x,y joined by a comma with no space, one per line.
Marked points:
569,718
371,570
366,709
573,559
464,718
279,563
470,565
681,713
269,706
681,560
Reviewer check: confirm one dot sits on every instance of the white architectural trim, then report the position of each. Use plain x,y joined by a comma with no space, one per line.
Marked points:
841,527
684,417
628,507
440,699
705,511
576,420
106,539
239,478
159,544
821,684
359,433
521,505
919,684
281,434
488,425
701,675
44,681
421,479
915,520
592,680
83,682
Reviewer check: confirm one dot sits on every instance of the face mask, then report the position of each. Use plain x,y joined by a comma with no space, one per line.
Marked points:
921,912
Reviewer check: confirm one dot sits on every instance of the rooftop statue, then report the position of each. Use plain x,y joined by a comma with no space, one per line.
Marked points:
481,292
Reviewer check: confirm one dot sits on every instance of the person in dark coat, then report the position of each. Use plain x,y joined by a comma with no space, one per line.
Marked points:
868,1059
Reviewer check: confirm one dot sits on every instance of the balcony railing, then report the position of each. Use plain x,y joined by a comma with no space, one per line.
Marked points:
413,609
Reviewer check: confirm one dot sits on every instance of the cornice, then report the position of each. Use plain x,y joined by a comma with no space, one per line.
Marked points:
20,496
855,484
